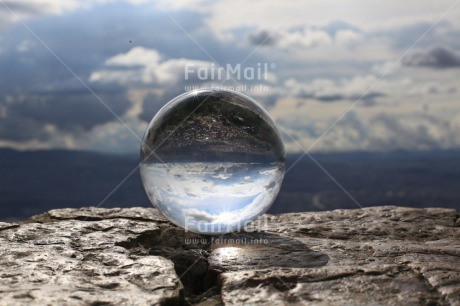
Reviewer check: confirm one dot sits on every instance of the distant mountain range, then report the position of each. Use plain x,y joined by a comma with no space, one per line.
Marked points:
32,182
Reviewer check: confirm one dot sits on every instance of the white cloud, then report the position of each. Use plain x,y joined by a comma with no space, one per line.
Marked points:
136,56
45,6
348,37
24,9
328,90
317,61
144,66
386,68
306,39
381,131
414,112
195,195
113,137
366,15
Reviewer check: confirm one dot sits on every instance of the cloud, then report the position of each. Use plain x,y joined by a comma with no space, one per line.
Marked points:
327,90
26,9
146,68
386,68
112,136
366,99
43,104
35,7
437,57
38,115
337,26
382,131
337,33
401,37
305,38
325,60
395,133
347,37
369,16
262,38
198,215
137,56
153,102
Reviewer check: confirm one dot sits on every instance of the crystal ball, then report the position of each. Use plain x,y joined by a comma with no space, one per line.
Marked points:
212,160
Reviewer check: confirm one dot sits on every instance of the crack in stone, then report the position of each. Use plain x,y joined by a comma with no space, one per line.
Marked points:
50,219
456,221
7,227
190,262
381,262
440,299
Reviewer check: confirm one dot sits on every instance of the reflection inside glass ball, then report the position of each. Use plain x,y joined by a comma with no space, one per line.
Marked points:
212,160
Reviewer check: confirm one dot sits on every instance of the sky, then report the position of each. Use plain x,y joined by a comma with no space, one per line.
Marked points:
336,75
242,191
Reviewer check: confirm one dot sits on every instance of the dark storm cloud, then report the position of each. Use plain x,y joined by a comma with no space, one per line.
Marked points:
367,99
22,129
270,38
29,114
263,38
152,104
70,111
437,57
37,91
24,8
84,39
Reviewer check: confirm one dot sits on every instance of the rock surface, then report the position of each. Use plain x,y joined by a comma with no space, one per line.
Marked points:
373,256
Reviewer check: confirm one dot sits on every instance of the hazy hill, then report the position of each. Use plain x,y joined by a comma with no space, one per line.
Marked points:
35,181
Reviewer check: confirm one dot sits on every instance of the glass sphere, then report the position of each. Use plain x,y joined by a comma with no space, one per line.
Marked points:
212,160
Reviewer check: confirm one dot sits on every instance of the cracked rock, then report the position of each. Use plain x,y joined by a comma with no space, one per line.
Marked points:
94,256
